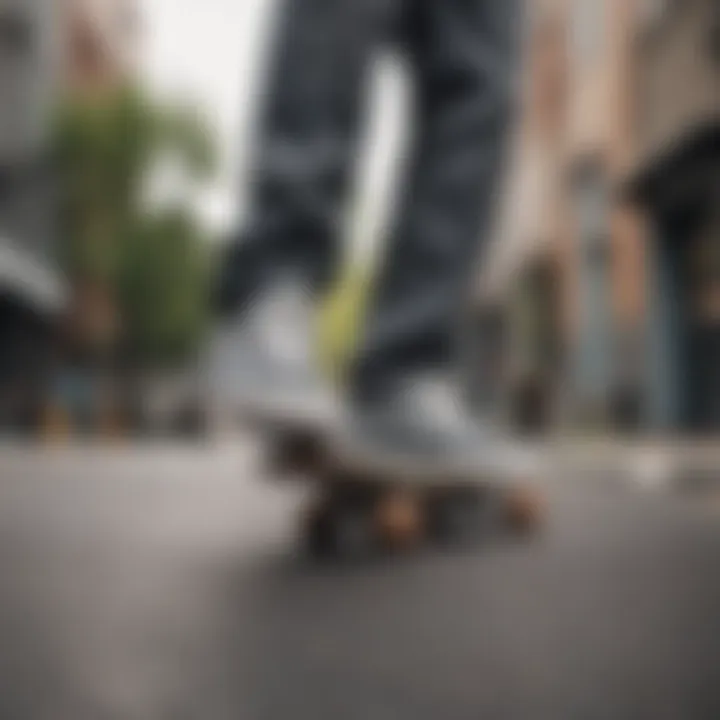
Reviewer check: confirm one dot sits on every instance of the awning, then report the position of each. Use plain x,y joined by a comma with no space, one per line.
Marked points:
663,174
30,279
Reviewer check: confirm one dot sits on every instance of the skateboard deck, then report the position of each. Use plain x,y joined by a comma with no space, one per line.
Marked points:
295,446
361,503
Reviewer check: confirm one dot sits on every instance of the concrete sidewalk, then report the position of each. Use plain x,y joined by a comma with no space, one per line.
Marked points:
652,463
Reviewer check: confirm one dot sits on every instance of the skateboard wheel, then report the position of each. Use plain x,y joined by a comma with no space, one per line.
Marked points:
343,528
399,519
289,454
458,517
318,539
525,510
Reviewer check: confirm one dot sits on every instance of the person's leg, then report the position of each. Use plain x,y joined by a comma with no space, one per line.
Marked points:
305,145
407,407
463,54
262,360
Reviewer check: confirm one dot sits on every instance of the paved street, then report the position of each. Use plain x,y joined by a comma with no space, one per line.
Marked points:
164,582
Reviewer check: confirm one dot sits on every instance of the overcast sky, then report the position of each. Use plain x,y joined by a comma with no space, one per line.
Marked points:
211,51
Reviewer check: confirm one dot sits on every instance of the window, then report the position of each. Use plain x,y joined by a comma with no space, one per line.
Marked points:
588,28
653,12
591,203
704,258
714,39
15,34
595,355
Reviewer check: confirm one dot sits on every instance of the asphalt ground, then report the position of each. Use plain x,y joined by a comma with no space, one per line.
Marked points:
167,582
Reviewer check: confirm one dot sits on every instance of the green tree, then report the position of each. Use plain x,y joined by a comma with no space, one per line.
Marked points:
150,263
163,288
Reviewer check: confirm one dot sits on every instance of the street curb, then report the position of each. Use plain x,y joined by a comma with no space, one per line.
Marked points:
678,468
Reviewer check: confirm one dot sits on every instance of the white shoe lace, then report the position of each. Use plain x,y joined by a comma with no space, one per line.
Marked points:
439,399
283,325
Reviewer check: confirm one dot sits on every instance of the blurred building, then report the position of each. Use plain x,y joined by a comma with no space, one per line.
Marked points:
101,42
601,250
677,180
28,76
566,263
610,307
44,46
521,291
30,289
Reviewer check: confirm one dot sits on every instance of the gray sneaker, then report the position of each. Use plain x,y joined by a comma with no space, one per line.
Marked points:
262,363
421,430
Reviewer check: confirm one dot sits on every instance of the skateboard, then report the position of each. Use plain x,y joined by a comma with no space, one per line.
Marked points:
358,510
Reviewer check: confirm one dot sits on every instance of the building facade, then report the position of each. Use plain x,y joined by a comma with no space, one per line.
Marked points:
520,286
101,38
601,251
28,78
568,255
45,46
611,230
31,291
676,179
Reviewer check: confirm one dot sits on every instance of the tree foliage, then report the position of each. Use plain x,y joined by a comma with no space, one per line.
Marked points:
162,288
151,262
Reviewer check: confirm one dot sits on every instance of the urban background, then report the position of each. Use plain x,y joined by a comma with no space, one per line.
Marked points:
597,307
